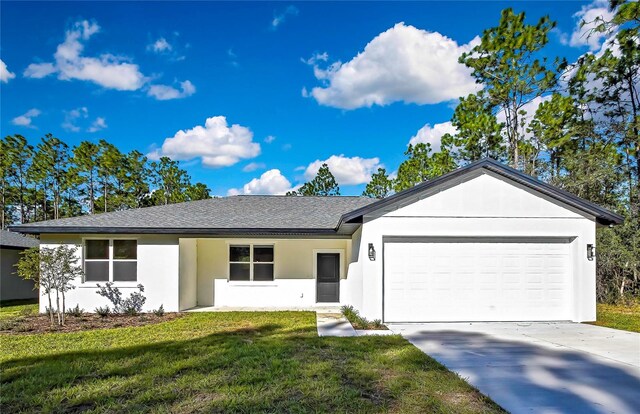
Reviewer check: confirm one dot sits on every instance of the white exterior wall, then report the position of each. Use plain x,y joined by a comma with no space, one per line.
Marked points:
158,269
485,206
294,273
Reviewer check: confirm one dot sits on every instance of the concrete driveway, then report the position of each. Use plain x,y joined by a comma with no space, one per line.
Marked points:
539,367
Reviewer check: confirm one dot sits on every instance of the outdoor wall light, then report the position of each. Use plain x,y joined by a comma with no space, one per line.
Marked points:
591,252
372,252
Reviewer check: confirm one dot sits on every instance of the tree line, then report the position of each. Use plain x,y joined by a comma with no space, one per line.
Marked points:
52,180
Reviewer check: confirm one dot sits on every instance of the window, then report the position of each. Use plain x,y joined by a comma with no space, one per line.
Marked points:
251,262
112,260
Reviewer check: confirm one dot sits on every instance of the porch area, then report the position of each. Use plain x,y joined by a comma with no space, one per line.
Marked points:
232,274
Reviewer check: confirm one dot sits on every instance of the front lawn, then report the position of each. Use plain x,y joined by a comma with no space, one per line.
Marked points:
625,317
226,362
14,308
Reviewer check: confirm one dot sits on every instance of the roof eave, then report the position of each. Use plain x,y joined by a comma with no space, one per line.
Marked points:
32,229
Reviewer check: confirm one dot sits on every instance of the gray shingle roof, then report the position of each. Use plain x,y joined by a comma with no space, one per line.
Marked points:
223,215
12,239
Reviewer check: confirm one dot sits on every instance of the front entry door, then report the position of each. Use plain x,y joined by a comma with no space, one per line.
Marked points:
328,277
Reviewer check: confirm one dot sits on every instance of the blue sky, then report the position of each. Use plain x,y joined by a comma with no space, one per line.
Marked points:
262,92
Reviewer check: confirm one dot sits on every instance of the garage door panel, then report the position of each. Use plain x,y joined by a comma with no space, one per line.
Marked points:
476,281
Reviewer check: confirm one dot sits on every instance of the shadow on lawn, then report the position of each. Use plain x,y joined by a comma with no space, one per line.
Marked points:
261,369
520,375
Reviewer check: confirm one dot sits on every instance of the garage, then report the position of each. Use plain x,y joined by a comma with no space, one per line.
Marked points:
477,279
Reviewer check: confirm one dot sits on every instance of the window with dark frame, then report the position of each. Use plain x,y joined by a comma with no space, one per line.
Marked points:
111,260
251,263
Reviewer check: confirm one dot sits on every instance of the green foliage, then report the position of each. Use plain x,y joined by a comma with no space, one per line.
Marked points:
323,184
360,322
76,311
479,132
422,165
54,181
380,185
52,270
103,311
159,312
512,71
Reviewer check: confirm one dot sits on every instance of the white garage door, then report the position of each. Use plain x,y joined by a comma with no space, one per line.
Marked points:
433,280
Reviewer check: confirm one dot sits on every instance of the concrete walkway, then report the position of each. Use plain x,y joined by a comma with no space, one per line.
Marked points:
539,367
334,324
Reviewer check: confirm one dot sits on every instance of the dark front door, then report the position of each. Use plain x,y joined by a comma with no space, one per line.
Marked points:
328,280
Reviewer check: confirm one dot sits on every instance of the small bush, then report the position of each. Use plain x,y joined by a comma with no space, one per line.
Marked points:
77,311
160,311
129,306
26,311
358,321
103,311
7,325
377,323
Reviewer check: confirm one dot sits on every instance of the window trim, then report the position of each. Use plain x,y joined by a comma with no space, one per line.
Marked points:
251,262
110,260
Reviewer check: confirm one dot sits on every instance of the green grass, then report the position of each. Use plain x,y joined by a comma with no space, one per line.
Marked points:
625,317
226,362
15,308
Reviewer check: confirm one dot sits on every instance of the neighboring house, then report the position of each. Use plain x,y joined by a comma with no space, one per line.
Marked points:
13,286
482,243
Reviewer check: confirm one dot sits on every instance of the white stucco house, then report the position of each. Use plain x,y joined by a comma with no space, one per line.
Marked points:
482,243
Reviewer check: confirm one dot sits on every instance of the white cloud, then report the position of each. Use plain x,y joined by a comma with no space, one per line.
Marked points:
160,46
252,166
592,15
281,17
269,139
97,125
216,143
39,70
106,70
5,75
166,92
402,64
26,118
346,170
433,134
271,182
70,118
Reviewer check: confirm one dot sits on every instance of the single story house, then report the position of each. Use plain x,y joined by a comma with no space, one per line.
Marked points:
482,243
12,286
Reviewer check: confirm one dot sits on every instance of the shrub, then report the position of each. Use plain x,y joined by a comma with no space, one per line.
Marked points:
358,321
77,311
103,311
159,311
26,311
128,306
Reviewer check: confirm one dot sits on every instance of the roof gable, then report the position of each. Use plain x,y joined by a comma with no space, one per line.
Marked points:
486,194
476,169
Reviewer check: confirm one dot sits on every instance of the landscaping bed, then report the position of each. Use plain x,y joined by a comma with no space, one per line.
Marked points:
360,323
41,323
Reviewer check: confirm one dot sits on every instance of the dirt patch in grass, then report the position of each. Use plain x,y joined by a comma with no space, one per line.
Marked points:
36,324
